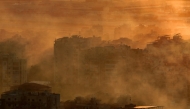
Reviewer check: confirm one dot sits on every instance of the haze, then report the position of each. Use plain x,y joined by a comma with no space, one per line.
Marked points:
65,17
35,24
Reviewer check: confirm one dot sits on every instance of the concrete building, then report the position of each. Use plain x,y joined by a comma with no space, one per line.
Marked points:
30,96
2,104
75,56
12,71
70,46
81,103
67,52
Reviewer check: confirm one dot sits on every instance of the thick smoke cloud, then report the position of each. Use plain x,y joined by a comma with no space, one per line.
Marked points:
32,46
39,23
66,17
156,75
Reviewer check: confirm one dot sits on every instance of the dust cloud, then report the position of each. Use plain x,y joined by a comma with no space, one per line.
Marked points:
155,75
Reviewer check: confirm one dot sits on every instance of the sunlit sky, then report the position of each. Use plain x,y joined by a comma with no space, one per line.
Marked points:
65,17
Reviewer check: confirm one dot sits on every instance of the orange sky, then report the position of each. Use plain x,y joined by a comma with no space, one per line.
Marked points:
66,17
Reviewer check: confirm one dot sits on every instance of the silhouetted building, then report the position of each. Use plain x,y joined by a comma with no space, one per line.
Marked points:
12,71
75,56
30,96
2,104
93,103
67,52
105,58
81,103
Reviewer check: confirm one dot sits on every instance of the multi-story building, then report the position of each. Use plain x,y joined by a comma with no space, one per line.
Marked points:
67,52
2,104
30,96
12,71
77,55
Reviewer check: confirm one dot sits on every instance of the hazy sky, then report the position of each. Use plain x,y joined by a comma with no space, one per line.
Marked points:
65,17
40,22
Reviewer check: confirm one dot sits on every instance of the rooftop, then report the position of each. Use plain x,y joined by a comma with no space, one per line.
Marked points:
31,87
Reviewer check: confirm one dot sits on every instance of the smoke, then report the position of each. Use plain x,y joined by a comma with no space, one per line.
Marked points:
156,75
65,18
33,46
111,72
39,23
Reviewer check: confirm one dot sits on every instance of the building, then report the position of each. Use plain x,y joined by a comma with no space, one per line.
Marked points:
82,103
75,56
67,52
1,104
93,103
12,71
30,96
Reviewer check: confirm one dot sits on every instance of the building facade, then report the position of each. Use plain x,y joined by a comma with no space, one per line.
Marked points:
12,71
67,52
30,96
